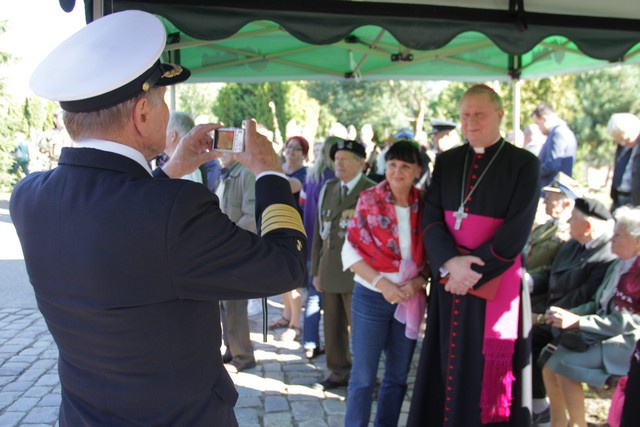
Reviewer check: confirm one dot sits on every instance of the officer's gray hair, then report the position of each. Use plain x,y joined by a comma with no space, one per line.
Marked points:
629,218
96,124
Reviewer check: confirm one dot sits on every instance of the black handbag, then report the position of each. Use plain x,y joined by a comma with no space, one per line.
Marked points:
574,341
545,354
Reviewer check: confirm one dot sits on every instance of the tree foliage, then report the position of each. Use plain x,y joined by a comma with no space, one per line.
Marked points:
601,94
585,101
10,124
237,102
387,106
273,104
197,99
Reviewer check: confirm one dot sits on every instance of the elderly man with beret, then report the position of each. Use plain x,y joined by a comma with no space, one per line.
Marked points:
573,279
129,265
336,206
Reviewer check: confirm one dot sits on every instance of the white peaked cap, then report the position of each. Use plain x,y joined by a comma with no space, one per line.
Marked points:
109,61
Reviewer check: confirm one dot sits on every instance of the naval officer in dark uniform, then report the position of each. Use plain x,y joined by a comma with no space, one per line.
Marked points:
129,266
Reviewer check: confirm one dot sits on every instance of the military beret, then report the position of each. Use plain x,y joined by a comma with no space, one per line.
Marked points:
111,60
593,208
353,146
563,183
441,125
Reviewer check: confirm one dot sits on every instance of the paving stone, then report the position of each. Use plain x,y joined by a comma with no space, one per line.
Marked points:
247,392
46,415
277,393
247,402
305,410
44,364
313,423
32,374
279,419
39,391
7,398
276,376
52,399
50,354
20,341
32,351
11,419
246,415
276,404
8,371
335,420
48,379
11,349
23,358
23,404
334,406
18,386
271,367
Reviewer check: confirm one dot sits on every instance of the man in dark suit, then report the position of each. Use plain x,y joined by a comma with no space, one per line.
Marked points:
575,275
336,206
558,154
128,267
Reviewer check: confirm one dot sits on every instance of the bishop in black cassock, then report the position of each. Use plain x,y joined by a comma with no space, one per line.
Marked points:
475,363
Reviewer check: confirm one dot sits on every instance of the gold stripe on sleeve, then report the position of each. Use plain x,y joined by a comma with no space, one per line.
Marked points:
281,216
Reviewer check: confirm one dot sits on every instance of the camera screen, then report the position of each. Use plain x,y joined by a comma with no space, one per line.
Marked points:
224,141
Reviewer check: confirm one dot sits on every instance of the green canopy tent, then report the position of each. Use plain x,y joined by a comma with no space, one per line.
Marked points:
468,40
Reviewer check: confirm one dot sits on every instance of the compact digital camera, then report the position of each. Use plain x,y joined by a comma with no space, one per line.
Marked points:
228,140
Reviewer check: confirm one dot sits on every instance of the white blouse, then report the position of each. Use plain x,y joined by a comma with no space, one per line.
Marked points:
350,256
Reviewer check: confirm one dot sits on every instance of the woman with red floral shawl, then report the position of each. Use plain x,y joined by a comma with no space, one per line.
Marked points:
384,249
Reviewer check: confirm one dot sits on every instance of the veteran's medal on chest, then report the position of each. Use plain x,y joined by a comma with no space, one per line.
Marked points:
325,223
345,219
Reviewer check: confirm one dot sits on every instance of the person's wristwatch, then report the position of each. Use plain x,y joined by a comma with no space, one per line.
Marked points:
540,319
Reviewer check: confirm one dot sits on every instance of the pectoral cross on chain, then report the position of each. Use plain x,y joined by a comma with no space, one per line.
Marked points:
460,214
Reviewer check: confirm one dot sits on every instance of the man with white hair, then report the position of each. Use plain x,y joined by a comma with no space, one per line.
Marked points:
624,128
178,126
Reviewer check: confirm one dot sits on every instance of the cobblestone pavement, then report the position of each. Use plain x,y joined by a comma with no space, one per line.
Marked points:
277,392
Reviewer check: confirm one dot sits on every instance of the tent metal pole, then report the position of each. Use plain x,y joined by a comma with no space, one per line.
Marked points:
172,97
98,9
515,84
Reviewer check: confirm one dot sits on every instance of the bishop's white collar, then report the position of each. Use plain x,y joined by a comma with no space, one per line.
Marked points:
480,150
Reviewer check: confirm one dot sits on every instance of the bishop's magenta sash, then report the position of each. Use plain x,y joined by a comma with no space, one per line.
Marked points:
501,319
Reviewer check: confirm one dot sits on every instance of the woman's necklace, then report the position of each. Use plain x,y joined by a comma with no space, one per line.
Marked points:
460,214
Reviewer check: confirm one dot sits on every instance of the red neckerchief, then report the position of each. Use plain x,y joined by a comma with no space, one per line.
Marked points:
373,230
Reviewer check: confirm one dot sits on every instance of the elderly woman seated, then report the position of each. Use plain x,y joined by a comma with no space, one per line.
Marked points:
596,339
